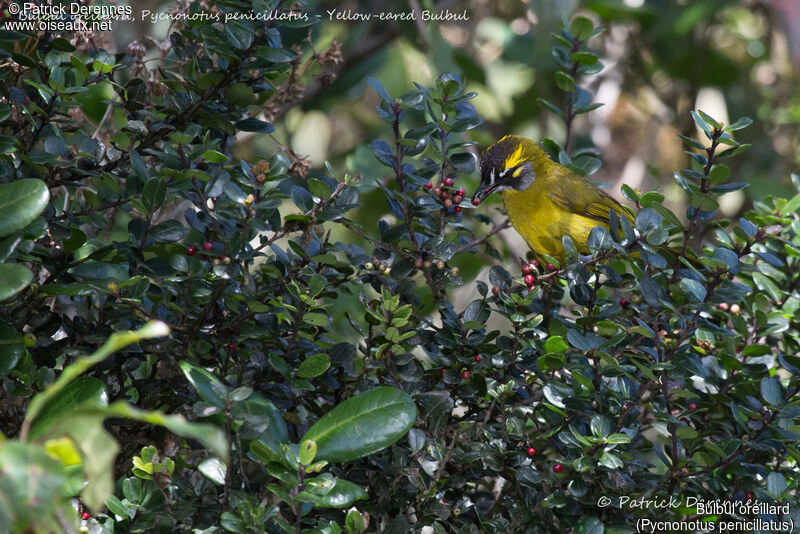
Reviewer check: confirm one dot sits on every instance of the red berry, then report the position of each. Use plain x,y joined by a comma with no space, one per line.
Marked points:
441,372
749,496
85,515
624,302
466,374
457,199
208,245
692,406
529,279
478,358
526,268
190,251
235,331
429,185
475,201
462,191
232,345
550,267
558,468
448,182
495,290
531,451
534,263
457,209
445,195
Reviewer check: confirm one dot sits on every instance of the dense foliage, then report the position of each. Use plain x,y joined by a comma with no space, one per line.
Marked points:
286,362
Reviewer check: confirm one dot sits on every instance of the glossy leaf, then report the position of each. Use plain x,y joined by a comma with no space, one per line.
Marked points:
20,203
13,279
363,425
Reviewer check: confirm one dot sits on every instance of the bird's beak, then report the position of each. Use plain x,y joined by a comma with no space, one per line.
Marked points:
484,190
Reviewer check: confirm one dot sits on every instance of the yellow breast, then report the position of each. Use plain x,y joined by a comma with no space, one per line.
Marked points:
542,224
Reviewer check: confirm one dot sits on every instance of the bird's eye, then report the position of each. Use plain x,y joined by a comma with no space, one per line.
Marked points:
513,171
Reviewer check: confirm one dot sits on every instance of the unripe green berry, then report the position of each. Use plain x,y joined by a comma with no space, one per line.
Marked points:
29,340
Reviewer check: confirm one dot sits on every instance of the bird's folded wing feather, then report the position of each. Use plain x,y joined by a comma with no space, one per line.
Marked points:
581,197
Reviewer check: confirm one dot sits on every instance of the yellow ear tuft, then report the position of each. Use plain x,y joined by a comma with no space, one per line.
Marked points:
516,157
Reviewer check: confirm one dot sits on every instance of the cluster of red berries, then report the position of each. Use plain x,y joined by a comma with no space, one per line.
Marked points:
208,246
557,468
450,197
531,269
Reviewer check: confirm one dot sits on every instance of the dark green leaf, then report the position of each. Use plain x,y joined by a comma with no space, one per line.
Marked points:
20,203
363,425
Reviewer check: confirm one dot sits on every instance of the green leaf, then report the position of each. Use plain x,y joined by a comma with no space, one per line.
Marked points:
97,449
13,279
744,122
99,270
213,469
704,202
556,393
343,494
11,348
308,451
254,125
207,385
555,344
363,425
771,391
600,426
117,341
33,483
213,156
691,142
589,525
694,289
313,366
764,283
583,58
686,432
354,522
84,390
20,203
756,350
154,193
240,33
776,485
167,232
302,198
702,124
581,28
710,120
209,436
316,319
719,173
564,81
277,55
378,87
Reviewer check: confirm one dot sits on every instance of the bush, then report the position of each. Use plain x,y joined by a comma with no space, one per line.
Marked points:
330,379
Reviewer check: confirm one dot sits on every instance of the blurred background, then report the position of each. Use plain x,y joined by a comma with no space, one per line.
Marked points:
661,59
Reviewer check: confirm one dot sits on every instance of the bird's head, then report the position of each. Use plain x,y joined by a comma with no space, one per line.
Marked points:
508,165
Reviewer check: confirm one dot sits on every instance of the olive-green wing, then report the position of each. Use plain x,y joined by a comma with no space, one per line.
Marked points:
578,195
